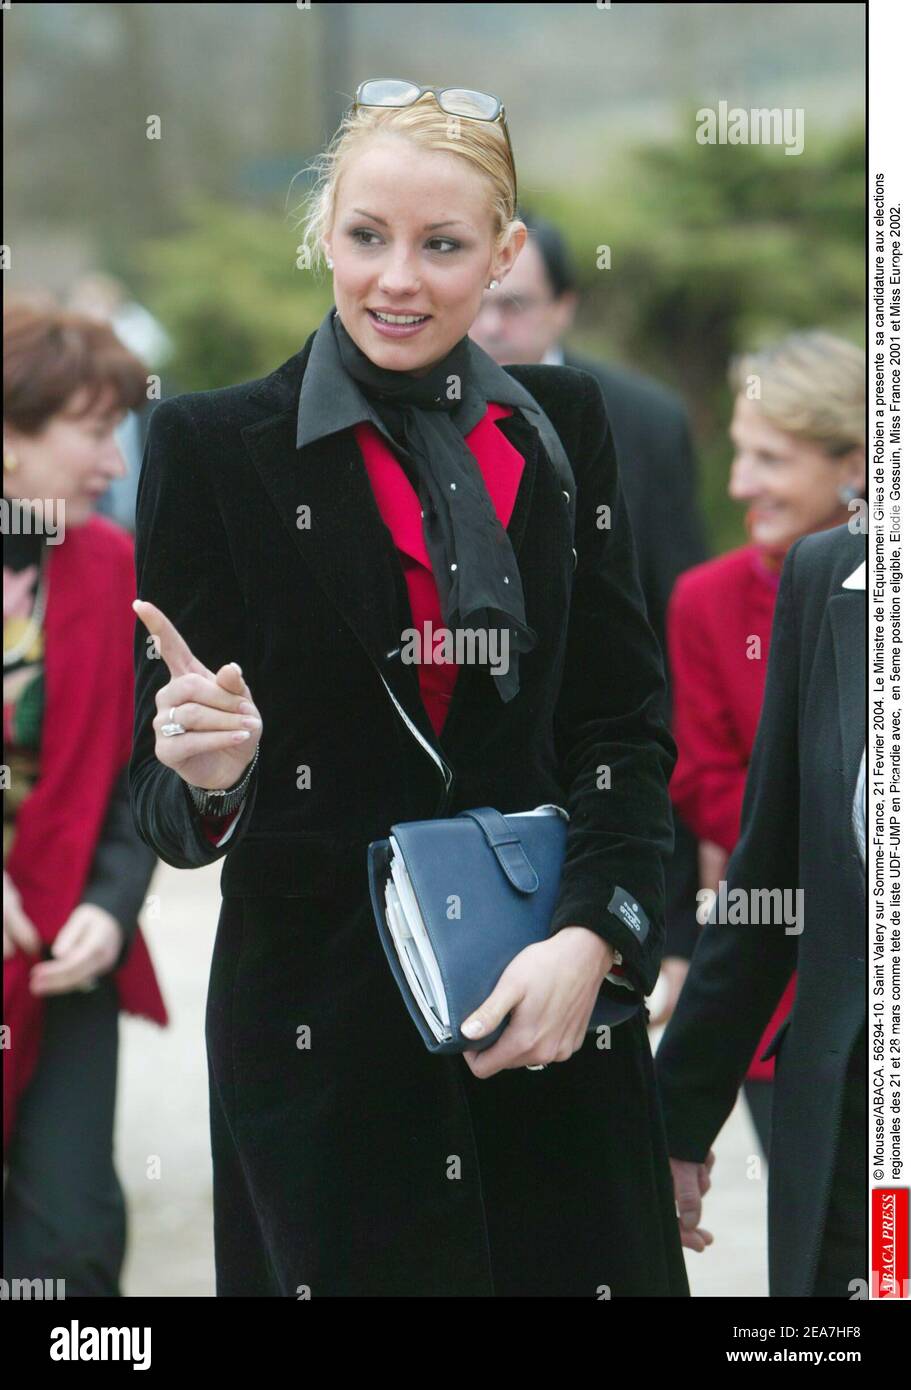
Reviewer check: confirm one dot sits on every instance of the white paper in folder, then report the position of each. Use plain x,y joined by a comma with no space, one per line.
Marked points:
413,947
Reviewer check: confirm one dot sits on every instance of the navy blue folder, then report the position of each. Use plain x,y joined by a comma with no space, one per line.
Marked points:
485,886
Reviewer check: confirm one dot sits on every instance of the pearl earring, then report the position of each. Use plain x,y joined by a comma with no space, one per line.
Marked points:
847,493
493,284
330,262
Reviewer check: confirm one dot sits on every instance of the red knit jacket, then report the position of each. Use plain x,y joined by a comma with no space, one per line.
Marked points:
86,739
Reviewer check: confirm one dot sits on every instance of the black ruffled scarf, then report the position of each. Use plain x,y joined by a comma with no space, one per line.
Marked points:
473,561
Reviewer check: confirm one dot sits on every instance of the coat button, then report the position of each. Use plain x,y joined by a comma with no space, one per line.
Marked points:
566,495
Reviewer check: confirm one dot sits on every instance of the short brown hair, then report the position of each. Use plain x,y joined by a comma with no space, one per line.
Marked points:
49,353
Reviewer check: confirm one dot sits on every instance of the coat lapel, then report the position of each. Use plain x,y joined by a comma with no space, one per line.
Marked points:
525,438
847,609
347,545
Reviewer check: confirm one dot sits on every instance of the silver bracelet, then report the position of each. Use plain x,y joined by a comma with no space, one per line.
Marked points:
216,802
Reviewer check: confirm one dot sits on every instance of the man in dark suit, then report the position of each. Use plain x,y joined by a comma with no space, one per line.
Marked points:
524,320
803,838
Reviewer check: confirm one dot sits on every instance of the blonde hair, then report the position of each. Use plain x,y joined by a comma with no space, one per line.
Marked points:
811,384
481,143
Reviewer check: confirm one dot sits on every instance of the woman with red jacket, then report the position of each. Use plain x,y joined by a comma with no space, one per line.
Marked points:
75,873
798,432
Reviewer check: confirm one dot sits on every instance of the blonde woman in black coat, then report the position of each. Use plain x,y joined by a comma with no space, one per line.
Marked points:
348,1159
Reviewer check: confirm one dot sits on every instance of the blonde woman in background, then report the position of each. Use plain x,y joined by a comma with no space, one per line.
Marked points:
798,432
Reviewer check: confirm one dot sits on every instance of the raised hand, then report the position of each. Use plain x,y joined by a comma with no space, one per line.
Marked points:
216,708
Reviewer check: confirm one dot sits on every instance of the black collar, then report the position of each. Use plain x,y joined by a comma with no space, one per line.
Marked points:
330,400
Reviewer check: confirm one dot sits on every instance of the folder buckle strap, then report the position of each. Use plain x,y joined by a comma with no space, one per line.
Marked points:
507,846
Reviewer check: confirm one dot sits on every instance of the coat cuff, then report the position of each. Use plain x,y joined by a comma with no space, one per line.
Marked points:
619,920
218,829
691,1120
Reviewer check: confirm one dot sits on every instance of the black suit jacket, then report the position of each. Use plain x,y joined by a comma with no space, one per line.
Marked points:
796,832
315,616
122,867
660,482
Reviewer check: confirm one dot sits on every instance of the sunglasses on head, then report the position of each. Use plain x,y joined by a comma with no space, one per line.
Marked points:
455,101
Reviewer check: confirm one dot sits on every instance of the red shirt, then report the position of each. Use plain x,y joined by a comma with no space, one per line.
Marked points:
719,627
501,467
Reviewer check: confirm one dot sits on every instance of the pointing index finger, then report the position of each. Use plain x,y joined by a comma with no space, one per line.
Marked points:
176,654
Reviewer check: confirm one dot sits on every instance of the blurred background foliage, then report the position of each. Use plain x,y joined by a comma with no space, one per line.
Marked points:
713,248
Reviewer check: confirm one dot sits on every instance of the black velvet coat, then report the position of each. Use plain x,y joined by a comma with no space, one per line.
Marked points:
348,1160
660,483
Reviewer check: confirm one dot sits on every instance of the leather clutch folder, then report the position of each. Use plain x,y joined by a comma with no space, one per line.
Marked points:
456,899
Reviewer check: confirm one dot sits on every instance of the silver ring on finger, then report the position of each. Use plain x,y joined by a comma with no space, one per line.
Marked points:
540,1067
172,728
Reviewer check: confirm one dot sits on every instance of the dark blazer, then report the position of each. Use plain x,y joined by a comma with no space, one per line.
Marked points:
796,832
660,482
122,867
332,1126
